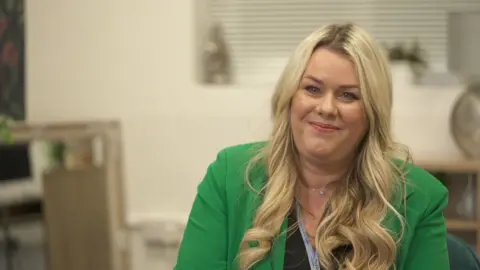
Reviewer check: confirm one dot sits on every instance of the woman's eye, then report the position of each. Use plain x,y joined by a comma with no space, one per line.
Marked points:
349,96
312,89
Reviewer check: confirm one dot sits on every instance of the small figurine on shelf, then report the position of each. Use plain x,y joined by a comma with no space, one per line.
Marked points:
79,153
72,154
216,57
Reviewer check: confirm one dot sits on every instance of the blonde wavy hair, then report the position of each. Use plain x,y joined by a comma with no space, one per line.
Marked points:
361,204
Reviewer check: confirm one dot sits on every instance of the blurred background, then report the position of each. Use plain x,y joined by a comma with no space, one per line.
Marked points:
181,80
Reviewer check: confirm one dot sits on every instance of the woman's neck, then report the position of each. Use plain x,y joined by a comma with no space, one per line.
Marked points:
317,185
320,175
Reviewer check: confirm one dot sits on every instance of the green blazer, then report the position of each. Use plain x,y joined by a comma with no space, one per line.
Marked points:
224,208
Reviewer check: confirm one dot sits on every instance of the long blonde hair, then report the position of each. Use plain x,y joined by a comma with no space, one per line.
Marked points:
363,202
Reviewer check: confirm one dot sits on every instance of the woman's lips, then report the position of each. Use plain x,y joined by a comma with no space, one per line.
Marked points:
324,128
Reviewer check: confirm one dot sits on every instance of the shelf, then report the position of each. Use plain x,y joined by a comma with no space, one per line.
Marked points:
454,166
462,225
461,178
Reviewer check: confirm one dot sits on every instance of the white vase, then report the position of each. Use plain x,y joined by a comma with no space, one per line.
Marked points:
402,73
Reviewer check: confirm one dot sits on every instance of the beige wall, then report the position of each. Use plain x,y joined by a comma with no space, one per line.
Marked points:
134,60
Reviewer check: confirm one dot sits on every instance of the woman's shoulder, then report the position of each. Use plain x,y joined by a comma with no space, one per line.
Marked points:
238,155
234,161
423,190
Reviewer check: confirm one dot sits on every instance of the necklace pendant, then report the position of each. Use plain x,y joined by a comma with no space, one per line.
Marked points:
320,191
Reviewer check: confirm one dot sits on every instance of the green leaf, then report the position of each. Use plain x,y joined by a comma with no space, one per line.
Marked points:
57,152
5,126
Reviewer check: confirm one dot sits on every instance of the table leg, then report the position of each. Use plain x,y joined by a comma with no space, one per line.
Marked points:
11,244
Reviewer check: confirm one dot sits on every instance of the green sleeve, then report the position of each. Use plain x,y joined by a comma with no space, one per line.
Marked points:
204,243
428,249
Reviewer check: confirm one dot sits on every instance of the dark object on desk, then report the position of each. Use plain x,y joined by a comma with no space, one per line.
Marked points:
14,162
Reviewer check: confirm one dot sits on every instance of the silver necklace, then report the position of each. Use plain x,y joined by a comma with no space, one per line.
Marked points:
321,192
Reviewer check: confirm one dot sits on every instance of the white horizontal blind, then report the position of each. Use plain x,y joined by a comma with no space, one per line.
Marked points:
262,33
424,20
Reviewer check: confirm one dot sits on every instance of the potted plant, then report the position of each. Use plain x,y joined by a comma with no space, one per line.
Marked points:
57,153
57,149
418,63
414,56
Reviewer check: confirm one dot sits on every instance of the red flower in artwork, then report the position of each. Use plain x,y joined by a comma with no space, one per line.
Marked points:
10,54
3,26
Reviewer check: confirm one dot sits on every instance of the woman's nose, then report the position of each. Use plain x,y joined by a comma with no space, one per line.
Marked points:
326,105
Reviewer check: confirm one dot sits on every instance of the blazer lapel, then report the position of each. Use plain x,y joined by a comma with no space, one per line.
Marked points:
275,259
278,252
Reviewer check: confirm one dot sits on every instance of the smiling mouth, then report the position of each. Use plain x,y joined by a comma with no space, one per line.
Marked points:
324,128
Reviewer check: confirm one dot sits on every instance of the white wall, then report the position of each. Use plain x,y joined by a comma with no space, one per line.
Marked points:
134,61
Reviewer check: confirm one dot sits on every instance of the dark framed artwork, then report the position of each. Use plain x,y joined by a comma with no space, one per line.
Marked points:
12,59
14,159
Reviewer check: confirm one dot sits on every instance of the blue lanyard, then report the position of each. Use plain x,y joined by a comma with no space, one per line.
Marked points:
311,253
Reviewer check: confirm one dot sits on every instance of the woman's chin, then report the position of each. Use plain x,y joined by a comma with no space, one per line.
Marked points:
323,152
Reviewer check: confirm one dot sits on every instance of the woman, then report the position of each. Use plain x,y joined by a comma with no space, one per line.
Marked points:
325,191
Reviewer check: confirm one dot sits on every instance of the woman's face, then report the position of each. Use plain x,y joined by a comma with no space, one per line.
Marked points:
327,113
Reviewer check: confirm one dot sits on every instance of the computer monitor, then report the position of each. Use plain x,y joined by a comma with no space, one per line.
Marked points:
15,163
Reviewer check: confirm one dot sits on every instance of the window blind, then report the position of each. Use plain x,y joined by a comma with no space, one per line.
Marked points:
262,34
